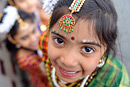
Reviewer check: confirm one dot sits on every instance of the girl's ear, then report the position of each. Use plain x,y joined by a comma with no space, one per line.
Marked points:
12,40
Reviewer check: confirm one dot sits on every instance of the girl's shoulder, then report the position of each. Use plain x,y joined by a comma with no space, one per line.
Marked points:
112,74
118,71
115,63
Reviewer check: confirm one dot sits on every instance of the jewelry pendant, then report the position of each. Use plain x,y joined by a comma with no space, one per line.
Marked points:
67,23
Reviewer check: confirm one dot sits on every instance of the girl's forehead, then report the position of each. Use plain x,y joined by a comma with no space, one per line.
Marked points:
83,30
29,28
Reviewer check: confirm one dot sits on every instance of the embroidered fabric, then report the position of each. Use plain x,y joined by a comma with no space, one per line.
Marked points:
31,64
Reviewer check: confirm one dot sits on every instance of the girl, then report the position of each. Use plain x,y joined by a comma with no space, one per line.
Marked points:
22,41
76,48
32,7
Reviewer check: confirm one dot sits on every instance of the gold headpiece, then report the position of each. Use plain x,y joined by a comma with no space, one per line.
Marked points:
1,15
67,22
22,24
11,2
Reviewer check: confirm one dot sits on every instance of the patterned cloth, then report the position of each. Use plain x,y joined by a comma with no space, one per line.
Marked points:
31,64
112,74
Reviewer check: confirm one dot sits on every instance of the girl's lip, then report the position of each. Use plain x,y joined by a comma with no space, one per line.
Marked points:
67,73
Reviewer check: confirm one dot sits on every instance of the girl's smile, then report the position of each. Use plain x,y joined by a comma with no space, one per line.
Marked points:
68,73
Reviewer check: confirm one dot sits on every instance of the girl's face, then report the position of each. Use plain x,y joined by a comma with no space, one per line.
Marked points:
27,5
74,55
28,38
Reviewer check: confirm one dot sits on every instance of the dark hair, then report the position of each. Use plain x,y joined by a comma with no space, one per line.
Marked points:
101,12
13,31
12,48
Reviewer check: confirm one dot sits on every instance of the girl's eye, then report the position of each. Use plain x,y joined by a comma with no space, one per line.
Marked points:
88,50
34,30
24,38
59,41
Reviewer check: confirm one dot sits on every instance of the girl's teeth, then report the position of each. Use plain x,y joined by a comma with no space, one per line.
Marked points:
68,72
71,72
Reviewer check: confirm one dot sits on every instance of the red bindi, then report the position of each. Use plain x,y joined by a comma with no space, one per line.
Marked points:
72,38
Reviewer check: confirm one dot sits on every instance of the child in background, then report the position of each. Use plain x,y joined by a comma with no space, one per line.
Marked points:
22,42
76,48
32,7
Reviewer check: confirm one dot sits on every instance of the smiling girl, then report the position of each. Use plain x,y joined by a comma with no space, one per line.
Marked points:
22,42
76,48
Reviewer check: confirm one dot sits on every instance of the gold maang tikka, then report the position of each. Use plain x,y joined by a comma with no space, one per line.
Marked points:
22,24
67,22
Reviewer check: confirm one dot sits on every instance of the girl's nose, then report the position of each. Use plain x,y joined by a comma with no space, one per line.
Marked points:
33,38
70,59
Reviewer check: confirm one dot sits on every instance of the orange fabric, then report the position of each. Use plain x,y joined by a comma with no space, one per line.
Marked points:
43,44
31,64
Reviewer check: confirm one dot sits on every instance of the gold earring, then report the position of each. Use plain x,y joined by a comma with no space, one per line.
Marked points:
101,62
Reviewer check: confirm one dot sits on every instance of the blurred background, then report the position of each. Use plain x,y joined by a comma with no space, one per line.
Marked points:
123,41
9,76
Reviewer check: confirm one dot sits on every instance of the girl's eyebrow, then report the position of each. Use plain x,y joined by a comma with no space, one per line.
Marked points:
53,32
92,43
21,37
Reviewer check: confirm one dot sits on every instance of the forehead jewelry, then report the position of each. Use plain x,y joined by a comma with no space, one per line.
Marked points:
22,24
67,22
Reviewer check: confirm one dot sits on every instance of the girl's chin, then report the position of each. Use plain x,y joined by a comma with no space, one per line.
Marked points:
67,80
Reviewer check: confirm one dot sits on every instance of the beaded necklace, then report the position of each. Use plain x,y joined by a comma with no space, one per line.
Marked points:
56,84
